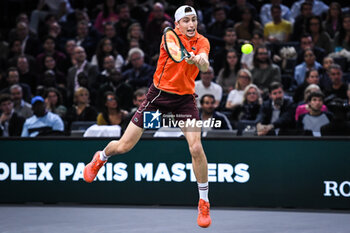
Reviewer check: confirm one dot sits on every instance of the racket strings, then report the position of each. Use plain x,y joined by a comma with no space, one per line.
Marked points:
173,45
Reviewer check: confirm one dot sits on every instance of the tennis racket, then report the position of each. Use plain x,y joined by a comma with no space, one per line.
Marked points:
175,49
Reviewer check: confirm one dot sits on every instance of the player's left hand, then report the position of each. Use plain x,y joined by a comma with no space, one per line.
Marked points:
199,60
190,59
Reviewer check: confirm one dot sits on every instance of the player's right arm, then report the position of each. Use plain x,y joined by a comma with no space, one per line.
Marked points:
200,60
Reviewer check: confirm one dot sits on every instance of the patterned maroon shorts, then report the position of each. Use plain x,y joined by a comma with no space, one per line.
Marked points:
181,107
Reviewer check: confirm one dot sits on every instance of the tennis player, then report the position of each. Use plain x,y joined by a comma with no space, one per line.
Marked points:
172,91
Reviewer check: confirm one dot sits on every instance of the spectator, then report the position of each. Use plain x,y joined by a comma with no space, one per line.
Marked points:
342,37
302,107
308,64
318,7
235,97
86,38
111,79
21,107
251,104
15,52
338,125
208,9
219,53
276,114
118,43
60,8
83,80
82,65
153,31
306,42
22,17
264,71
315,118
138,98
105,76
104,48
207,86
207,112
265,12
13,78
311,77
49,79
195,5
55,32
325,81
54,102
108,14
124,22
235,11
11,123
320,38
247,25
50,65
42,123
300,21
44,27
112,113
29,43
333,21
257,41
140,74
70,26
278,30
338,88
69,51
138,12
50,49
158,11
25,74
228,75
135,33
81,109
217,28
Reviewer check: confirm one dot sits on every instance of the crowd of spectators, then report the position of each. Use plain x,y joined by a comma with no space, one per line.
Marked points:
64,61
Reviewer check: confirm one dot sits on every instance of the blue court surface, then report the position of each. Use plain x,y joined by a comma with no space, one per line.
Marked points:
134,219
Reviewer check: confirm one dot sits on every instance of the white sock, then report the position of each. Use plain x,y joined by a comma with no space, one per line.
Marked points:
203,189
103,156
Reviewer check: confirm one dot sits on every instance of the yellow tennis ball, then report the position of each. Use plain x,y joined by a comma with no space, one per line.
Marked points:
247,48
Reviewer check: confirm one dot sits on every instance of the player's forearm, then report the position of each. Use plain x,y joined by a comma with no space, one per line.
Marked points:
202,62
203,67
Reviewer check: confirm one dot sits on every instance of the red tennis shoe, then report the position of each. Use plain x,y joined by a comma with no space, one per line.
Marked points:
203,219
91,170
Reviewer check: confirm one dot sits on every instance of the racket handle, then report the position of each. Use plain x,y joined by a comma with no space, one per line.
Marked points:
187,55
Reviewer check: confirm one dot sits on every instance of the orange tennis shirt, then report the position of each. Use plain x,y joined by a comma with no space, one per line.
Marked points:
178,78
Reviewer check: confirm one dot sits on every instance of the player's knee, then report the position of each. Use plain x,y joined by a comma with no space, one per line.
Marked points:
196,149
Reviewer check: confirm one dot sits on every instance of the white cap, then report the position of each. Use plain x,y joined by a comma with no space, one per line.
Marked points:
180,12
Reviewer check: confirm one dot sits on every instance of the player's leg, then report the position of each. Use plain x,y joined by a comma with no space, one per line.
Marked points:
129,139
199,160
200,168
